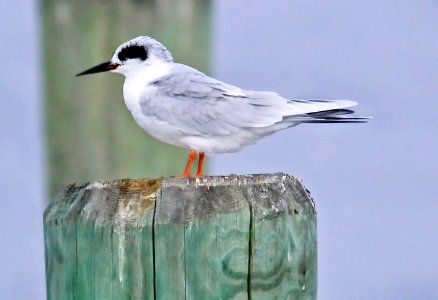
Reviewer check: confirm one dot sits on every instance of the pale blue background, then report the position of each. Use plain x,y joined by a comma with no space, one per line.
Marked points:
374,184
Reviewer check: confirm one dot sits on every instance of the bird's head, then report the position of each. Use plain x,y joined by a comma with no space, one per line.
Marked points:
133,56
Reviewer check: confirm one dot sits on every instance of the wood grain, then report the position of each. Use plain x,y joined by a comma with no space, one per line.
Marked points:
233,237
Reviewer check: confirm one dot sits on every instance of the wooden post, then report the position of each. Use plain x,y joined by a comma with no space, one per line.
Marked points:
227,237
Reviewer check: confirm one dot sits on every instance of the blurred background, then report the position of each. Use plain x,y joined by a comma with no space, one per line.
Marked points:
374,184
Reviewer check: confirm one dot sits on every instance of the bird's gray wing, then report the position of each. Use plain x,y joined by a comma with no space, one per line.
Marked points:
200,105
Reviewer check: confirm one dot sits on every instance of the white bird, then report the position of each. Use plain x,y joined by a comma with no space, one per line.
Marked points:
182,106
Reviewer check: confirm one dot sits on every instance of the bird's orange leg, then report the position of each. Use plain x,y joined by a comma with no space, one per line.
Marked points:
200,163
186,172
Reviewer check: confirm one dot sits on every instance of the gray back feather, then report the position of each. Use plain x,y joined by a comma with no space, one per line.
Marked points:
201,105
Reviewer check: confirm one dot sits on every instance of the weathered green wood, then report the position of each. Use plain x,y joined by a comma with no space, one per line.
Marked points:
283,252
103,256
236,237
90,132
211,226
60,243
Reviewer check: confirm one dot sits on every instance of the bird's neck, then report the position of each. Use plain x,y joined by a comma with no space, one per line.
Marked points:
148,73
140,78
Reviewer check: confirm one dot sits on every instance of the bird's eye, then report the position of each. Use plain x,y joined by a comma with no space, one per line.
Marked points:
133,52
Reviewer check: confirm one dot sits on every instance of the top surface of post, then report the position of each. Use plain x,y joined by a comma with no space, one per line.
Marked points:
128,199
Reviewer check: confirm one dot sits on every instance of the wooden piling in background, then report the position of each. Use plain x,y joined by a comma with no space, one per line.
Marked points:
89,130
227,237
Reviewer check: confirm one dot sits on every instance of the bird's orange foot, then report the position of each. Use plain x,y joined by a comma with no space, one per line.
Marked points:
188,168
200,164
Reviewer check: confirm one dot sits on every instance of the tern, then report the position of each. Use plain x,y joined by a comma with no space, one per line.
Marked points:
182,106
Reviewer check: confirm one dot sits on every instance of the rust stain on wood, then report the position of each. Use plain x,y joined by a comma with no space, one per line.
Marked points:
137,196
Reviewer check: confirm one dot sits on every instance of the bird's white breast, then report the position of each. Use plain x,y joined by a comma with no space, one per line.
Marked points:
138,88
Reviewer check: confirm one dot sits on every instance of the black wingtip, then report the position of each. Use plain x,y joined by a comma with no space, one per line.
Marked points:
334,116
339,120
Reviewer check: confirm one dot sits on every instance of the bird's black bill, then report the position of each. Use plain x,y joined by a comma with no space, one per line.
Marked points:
106,66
